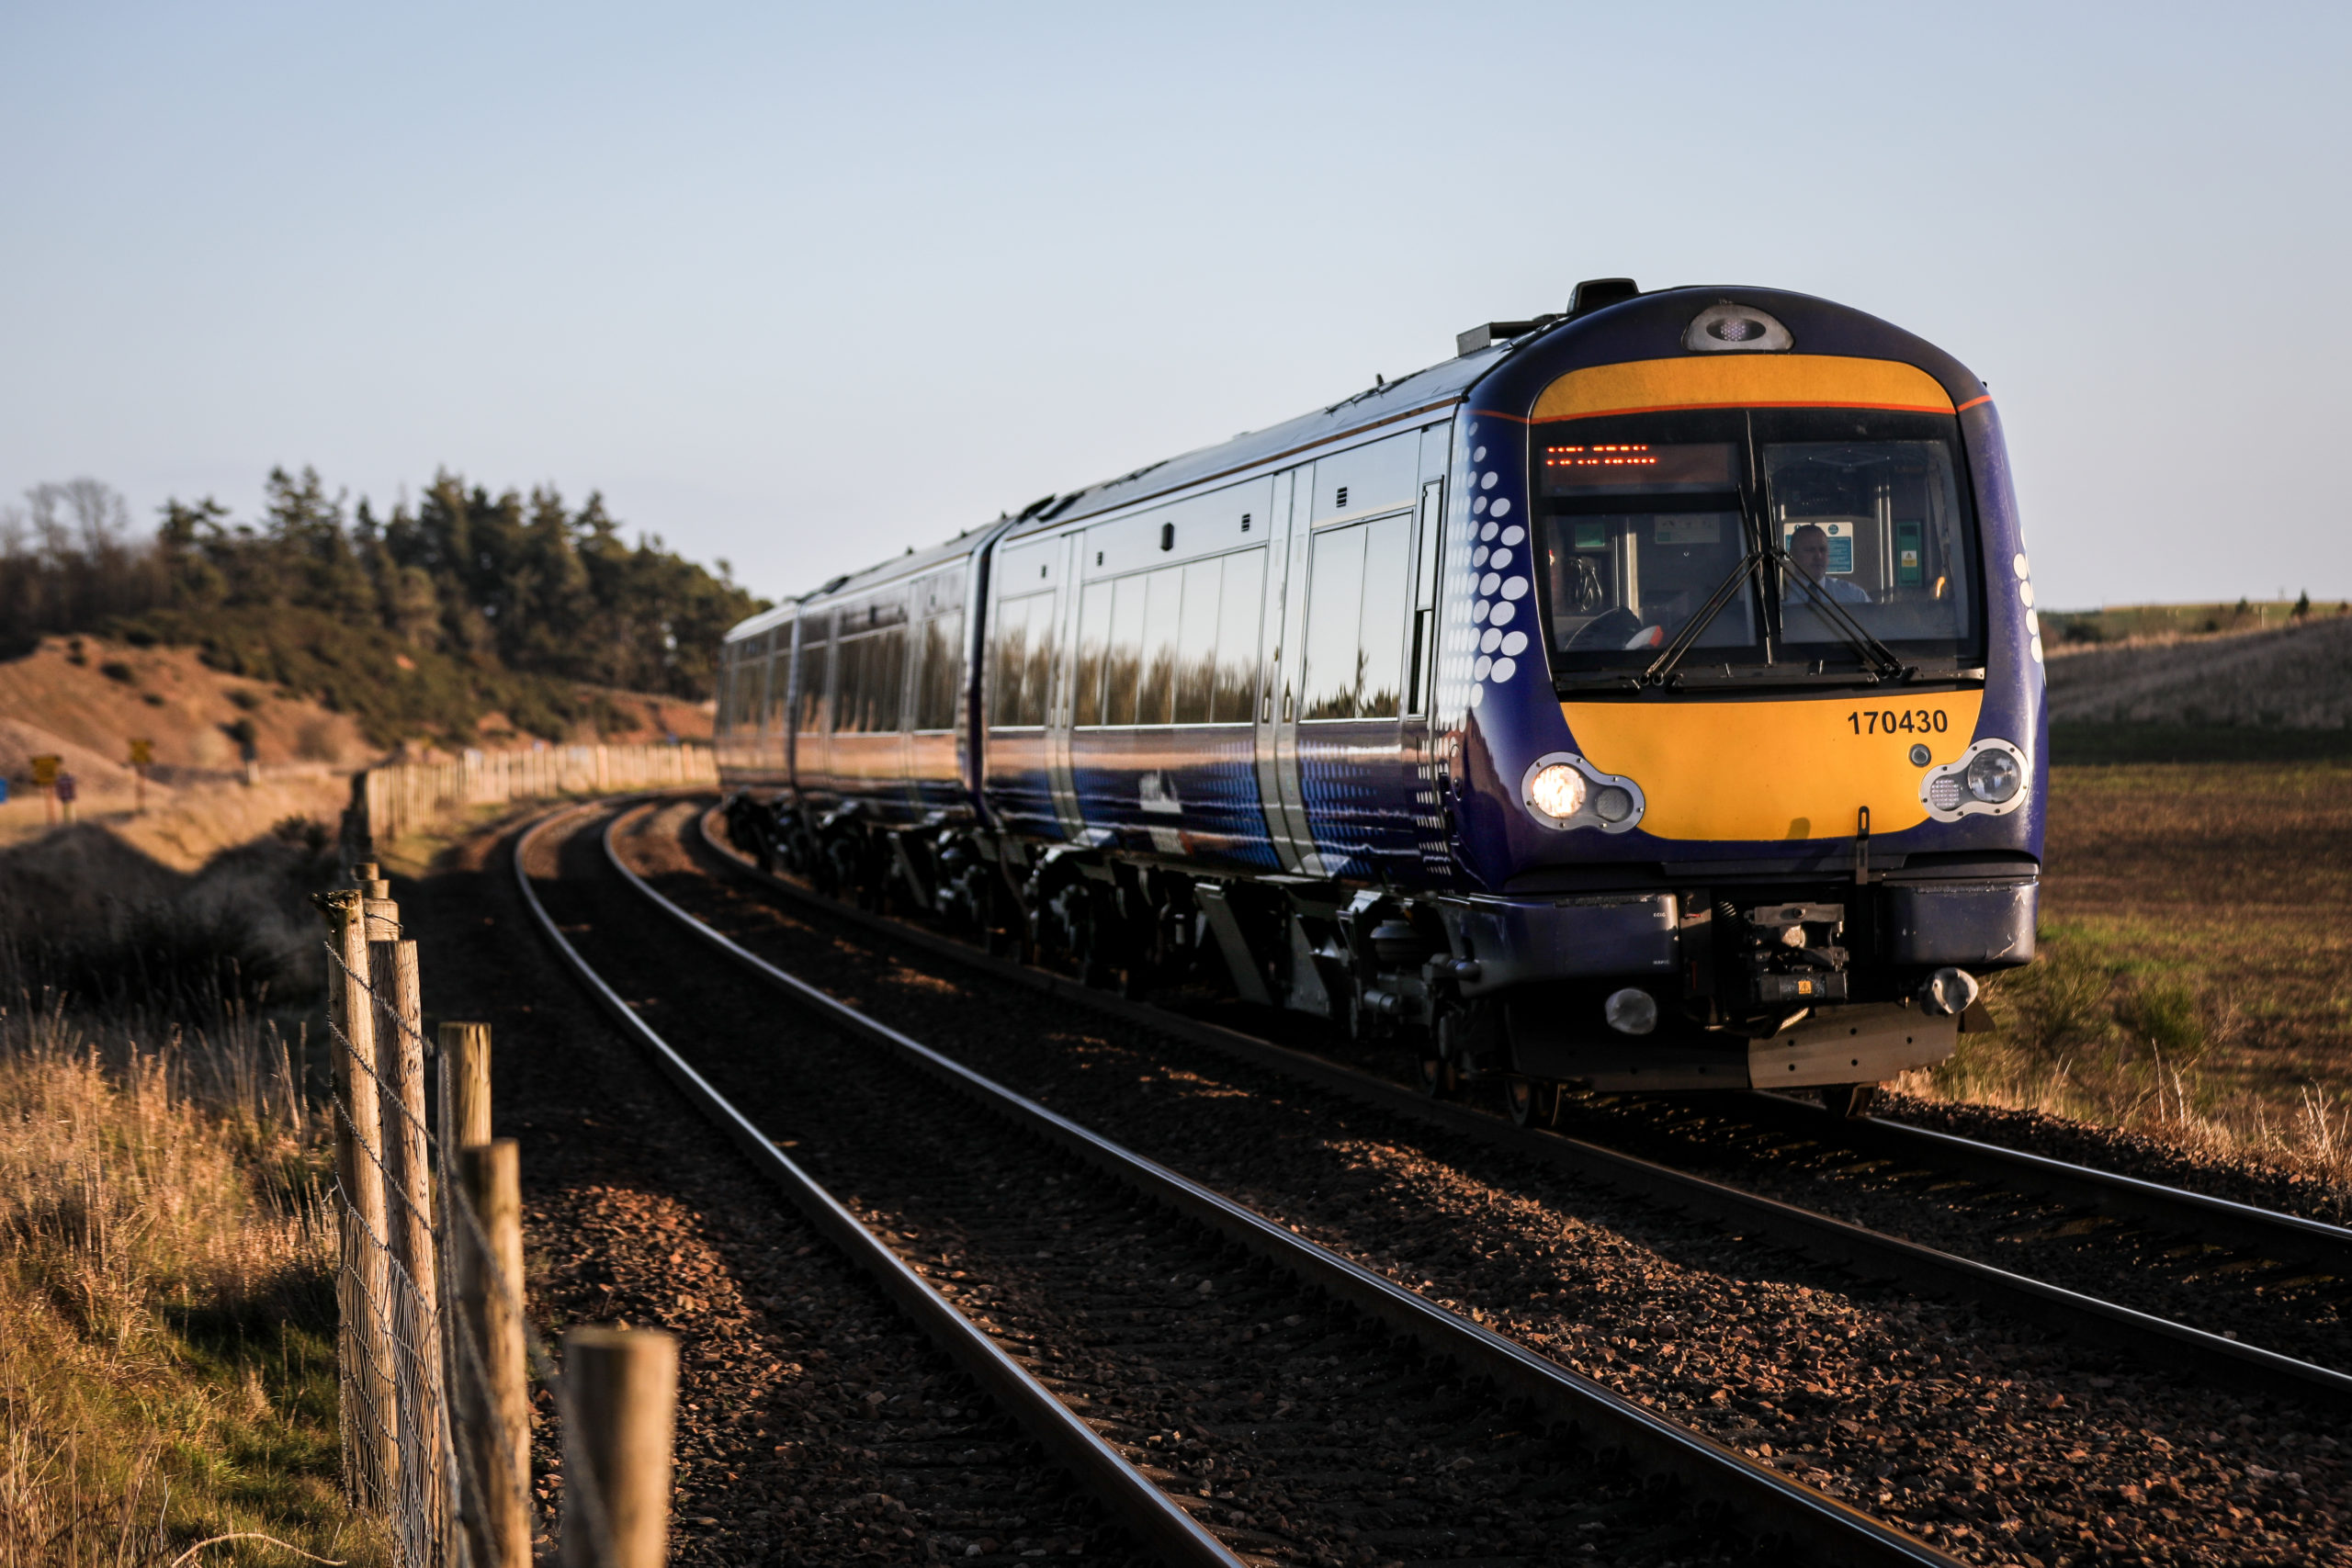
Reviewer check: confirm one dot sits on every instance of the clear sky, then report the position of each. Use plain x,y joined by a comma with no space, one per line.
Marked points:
799,286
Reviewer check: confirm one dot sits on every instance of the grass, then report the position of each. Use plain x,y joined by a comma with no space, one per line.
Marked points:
166,1283
2195,980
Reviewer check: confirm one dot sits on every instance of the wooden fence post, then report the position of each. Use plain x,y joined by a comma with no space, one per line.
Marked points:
374,1424
412,1158
465,1084
492,1404
623,1386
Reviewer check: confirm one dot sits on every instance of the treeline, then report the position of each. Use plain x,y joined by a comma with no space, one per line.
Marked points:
459,592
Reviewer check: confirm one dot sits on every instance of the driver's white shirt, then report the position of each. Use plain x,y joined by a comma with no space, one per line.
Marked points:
1838,588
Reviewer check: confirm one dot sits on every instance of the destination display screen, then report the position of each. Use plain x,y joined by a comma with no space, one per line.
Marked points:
1602,468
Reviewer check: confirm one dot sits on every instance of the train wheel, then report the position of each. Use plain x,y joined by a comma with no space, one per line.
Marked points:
1531,1104
1438,1078
1850,1100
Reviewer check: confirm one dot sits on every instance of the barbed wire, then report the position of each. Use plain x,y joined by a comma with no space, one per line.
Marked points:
431,1339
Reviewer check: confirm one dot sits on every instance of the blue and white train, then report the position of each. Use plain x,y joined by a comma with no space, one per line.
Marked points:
1649,697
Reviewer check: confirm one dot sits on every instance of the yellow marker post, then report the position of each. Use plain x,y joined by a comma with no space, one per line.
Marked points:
45,780
143,757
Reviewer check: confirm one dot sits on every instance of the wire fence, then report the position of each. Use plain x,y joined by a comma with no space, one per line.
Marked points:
434,1353
401,798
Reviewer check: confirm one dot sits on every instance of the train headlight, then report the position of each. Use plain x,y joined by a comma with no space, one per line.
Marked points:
1564,792
1988,780
1558,791
1993,777
1631,1011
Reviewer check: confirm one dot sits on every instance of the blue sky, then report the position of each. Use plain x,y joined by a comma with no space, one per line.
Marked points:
801,287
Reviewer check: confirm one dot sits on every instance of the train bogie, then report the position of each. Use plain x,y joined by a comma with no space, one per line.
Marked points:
1649,697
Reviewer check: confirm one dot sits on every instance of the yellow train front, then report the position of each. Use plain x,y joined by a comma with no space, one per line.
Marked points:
1649,697
1747,742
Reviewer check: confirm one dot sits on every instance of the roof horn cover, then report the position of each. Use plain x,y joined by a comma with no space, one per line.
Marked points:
1726,328
1597,293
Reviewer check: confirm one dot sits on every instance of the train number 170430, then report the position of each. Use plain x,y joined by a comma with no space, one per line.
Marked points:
1894,721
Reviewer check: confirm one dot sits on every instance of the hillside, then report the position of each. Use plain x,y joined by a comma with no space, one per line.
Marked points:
83,699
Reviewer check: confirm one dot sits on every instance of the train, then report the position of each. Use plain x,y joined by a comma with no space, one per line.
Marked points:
1647,698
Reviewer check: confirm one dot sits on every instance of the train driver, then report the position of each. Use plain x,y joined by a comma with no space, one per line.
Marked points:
1809,548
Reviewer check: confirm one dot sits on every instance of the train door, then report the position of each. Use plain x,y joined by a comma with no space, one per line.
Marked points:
1277,733
1061,774
1349,788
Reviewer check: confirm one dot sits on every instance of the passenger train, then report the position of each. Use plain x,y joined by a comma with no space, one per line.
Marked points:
1647,698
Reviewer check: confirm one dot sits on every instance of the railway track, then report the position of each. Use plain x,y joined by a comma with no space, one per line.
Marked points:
1933,1414
1231,1391
2253,1237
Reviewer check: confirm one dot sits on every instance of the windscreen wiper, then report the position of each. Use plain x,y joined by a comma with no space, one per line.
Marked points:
1696,627
1881,659
1876,654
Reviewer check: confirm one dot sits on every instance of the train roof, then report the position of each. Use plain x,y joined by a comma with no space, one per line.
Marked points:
1621,325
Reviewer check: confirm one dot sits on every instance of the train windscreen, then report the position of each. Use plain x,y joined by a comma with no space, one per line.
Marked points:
1753,538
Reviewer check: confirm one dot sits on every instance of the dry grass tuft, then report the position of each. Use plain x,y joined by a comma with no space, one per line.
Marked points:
166,1304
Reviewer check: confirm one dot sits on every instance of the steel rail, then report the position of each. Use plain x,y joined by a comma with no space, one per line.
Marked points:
1870,1254
2287,1239
1129,1496
1823,1529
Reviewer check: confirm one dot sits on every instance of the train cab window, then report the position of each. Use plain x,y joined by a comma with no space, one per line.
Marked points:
1644,522
1875,525
1359,579
1638,537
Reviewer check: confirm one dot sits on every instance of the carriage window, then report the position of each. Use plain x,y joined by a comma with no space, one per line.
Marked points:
941,650
816,676
1237,638
1094,650
1875,526
1196,641
1021,660
1179,645
869,682
1123,661
773,704
729,686
1162,610
1357,584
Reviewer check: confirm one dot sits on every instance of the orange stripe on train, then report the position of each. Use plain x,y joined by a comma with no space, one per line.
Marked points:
1745,380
